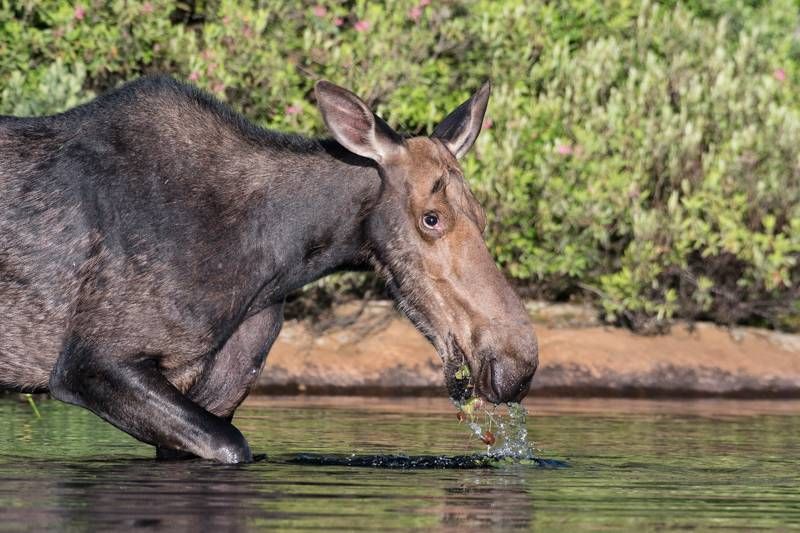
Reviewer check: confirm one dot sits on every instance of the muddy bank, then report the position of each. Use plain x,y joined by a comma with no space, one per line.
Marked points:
379,352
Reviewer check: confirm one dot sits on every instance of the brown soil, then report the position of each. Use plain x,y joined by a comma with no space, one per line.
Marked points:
379,352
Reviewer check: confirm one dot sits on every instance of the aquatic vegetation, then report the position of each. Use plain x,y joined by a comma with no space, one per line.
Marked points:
421,461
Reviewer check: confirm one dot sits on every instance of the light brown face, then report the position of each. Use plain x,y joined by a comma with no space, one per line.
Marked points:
426,235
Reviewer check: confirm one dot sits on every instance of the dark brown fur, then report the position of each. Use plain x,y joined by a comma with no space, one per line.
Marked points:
149,238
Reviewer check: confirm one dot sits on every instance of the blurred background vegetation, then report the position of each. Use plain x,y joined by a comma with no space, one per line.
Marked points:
639,155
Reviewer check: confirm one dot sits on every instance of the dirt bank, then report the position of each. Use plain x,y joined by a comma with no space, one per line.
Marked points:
379,352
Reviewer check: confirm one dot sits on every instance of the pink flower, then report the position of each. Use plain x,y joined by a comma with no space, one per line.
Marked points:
487,123
194,76
218,87
293,109
147,8
564,149
361,25
338,21
415,13
423,3
80,12
779,74
319,11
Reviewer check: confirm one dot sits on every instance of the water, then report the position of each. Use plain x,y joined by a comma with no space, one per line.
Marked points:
504,430
644,465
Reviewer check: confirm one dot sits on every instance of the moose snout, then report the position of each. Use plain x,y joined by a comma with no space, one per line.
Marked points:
506,377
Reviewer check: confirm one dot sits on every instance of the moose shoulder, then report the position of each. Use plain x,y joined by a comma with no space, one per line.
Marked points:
148,240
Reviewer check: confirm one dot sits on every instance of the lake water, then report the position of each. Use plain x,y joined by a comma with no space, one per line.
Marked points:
634,464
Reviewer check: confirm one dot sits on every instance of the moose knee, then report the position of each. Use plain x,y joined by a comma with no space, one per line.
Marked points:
226,446
230,447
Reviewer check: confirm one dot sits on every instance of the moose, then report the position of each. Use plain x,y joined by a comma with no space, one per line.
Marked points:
149,239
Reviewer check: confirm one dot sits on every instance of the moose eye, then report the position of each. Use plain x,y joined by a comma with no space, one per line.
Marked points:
430,220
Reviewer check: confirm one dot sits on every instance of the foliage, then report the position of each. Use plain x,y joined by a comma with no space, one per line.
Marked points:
641,154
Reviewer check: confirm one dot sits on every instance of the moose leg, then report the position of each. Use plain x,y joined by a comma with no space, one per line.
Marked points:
135,397
228,378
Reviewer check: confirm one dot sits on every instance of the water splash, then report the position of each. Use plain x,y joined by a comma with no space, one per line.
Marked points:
514,441
505,434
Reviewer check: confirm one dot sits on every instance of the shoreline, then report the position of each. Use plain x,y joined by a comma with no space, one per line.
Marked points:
376,352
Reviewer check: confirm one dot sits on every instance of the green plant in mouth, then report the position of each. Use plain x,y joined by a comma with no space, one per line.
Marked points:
470,406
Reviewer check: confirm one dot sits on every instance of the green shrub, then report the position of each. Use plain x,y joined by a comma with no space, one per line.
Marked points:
644,155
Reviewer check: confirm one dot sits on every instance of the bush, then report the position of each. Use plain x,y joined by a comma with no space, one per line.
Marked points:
640,154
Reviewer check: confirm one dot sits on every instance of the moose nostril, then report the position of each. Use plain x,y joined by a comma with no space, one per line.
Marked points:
493,378
524,388
487,379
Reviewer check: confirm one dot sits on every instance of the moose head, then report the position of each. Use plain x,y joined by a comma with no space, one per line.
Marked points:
425,236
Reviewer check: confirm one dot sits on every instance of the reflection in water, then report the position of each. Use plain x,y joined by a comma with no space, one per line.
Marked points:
502,503
650,466
100,495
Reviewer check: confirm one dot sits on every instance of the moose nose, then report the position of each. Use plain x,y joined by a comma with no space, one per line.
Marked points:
506,381
509,355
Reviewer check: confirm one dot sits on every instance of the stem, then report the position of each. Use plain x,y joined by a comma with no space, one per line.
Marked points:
33,405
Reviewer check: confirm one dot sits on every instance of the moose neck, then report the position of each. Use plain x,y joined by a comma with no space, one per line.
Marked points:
310,218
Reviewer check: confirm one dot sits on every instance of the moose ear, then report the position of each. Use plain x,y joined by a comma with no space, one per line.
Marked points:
461,127
354,125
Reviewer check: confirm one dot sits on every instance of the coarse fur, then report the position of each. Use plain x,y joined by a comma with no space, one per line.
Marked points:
100,203
149,238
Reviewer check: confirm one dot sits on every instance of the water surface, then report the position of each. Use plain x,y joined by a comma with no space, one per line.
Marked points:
634,465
